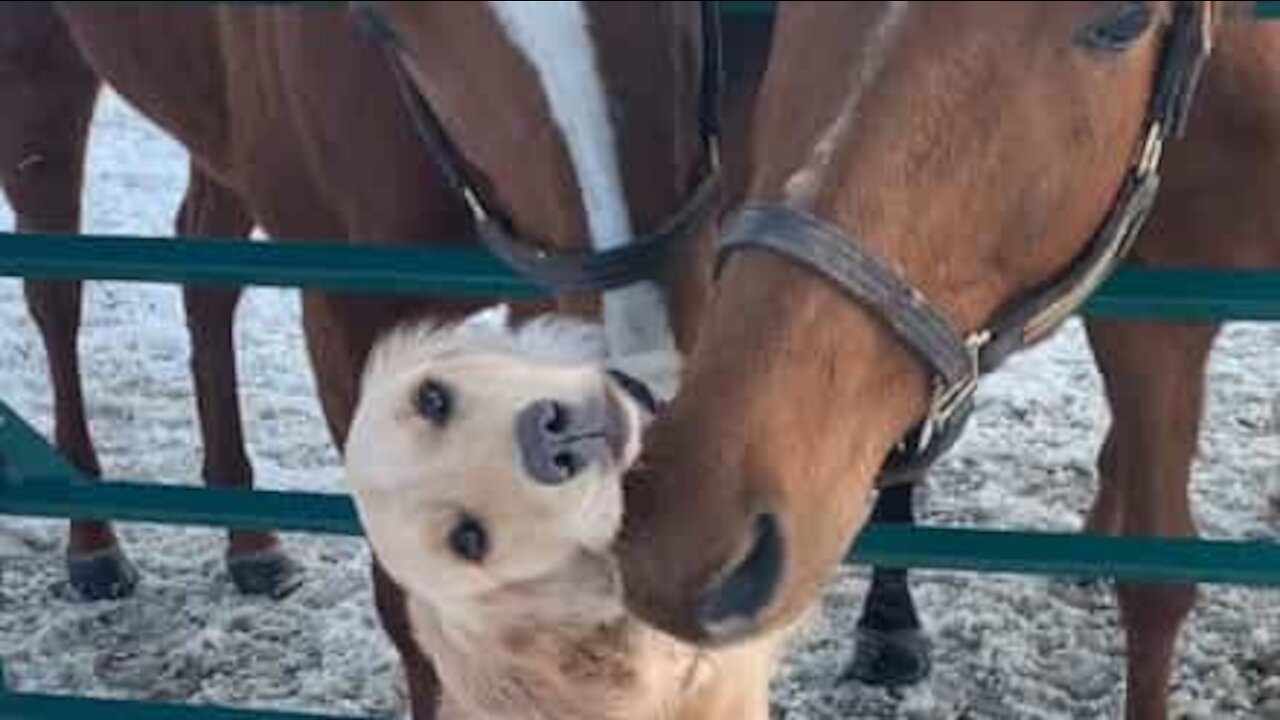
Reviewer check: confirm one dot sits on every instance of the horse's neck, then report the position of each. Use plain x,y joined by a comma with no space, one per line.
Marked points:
605,671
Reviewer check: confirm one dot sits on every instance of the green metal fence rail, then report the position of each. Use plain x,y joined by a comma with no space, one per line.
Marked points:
29,706
466,272
36,482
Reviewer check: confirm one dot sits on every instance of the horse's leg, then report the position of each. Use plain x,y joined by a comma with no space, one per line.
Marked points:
420,676
48,95
254,560
1144,468
891,650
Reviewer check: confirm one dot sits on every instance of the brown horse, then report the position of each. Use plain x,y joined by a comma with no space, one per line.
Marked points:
261,99
294,121
971,149
272,142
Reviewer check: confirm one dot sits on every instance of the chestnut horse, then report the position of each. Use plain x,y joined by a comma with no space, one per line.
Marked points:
261,99
597,122
972,150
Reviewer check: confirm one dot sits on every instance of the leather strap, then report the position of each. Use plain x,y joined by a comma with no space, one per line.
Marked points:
589,271
1185,53
856,271
1041,312
642,258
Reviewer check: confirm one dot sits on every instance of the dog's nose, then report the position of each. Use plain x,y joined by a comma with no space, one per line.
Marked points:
558,439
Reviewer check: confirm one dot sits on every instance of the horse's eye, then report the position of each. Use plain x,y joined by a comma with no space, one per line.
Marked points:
434,402
1123,25
469,540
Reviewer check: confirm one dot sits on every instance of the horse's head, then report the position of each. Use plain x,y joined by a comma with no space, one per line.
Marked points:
486,464
572,127
972,149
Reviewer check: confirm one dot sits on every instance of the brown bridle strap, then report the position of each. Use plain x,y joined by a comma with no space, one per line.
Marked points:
581,271
856,271
641,259
957,361
1185,52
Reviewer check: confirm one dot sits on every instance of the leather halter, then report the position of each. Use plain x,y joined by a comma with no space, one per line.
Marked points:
643,258
957,362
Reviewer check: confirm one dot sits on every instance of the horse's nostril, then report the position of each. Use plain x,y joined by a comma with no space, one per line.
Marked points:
734,605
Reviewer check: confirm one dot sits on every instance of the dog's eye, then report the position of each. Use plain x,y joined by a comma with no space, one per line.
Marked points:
469,540
434,402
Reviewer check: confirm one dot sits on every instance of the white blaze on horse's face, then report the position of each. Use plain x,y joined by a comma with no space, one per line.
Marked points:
555,39
451,488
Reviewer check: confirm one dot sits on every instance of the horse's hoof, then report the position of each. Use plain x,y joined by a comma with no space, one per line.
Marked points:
105,574
268,572
889,659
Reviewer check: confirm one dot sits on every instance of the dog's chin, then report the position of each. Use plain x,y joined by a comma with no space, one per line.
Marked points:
587,591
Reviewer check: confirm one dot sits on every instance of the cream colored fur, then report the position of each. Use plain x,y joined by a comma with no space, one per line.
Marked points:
538,630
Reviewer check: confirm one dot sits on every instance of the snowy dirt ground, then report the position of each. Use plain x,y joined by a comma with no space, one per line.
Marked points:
1004,647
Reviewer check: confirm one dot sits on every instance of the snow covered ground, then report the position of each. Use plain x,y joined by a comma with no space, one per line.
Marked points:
1005,647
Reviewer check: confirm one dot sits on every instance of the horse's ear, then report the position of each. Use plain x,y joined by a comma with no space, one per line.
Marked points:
1118,28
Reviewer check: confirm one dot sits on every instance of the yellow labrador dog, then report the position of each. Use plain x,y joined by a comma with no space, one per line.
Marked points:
486,464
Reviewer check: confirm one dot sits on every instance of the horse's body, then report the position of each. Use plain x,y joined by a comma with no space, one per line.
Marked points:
1210,214
294,123
263,100
975,148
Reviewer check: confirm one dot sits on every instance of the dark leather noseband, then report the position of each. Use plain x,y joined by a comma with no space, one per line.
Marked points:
563,271
957,360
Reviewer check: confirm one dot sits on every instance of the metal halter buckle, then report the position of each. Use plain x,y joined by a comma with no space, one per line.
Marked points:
948,399
1152,149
